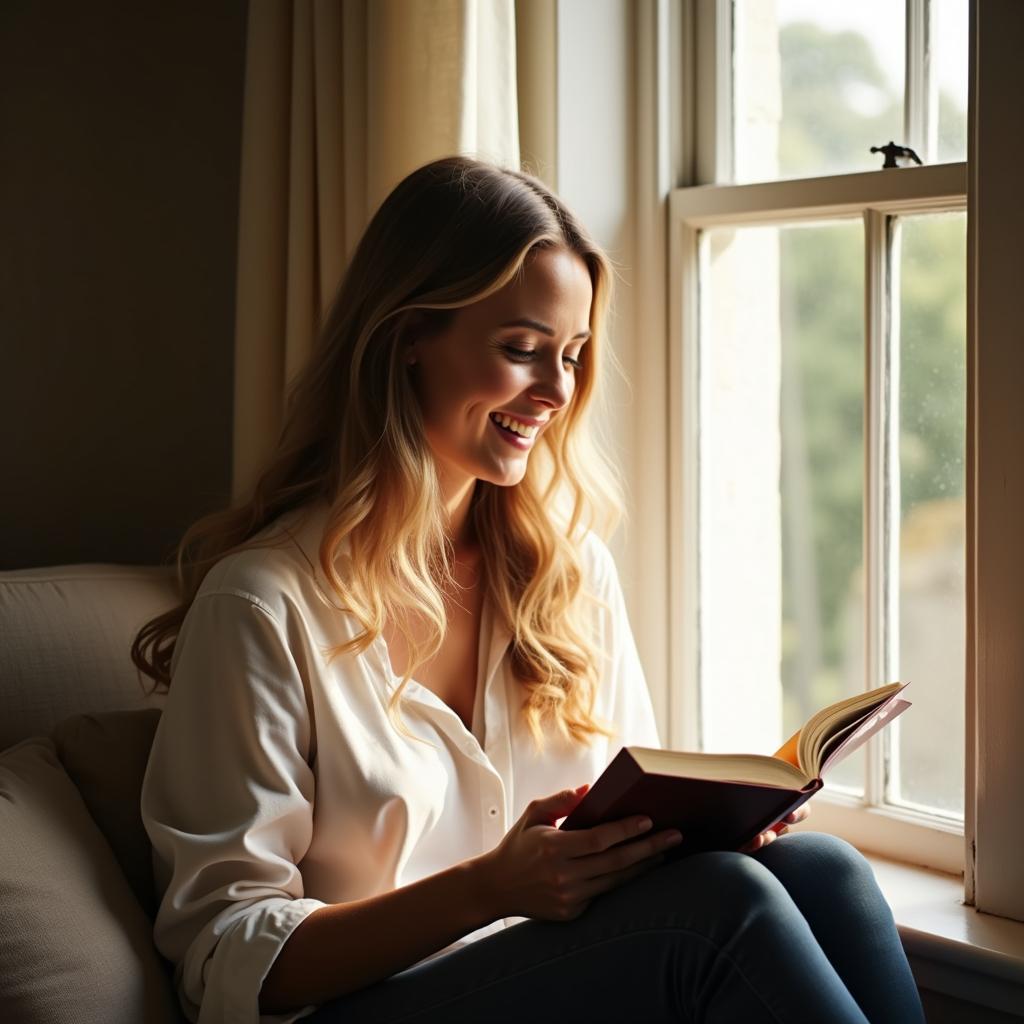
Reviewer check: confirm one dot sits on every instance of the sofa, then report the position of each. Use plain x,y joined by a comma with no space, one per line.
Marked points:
76,725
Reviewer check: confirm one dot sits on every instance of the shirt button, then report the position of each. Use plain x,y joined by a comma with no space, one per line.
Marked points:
492,811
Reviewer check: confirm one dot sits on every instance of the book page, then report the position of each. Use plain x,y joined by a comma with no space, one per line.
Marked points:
836,717
858,734
790,750
755,768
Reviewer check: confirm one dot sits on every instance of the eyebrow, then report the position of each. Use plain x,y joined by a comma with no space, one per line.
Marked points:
536,325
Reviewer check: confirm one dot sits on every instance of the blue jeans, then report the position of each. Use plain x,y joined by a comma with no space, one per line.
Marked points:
795,932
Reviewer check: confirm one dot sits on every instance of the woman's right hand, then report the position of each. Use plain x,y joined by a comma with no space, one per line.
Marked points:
540,871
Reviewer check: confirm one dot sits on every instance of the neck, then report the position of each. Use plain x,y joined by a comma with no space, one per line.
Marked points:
457,496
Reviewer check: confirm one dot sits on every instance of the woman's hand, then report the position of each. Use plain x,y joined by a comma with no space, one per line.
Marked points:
540,871
779,828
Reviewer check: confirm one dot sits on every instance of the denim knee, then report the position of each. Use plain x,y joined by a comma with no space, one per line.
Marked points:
735,880
810,863
835,858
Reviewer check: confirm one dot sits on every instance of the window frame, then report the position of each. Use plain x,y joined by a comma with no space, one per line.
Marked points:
706,26
647,51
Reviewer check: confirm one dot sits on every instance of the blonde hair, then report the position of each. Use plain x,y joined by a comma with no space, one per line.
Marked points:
450,234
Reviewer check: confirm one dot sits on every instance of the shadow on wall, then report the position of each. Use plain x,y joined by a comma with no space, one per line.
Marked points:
121,128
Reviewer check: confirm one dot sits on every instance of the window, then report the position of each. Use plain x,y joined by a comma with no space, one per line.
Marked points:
820,315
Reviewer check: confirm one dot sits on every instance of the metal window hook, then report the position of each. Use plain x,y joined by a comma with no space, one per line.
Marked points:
892,151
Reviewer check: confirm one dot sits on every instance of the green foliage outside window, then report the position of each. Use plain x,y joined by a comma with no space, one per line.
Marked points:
823,330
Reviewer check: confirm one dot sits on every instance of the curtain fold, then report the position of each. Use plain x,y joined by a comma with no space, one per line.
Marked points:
537,87
343,98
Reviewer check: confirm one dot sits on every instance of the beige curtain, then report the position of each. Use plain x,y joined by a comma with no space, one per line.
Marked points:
343,98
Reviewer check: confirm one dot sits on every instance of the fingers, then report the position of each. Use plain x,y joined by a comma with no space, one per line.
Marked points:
626,855
780,828
798,815
547,810
586,841
760,841
604,883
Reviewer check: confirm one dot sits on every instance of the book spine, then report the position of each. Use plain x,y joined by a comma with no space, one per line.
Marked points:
805,794
616,780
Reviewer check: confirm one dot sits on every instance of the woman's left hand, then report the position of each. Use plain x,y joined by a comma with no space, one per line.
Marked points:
780,828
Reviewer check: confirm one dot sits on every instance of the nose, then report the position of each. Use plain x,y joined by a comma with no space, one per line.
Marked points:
553,386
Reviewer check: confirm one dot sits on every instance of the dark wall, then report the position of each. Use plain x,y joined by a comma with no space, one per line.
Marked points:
120,126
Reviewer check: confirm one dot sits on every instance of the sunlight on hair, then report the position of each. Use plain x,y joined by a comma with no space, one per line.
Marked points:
451,233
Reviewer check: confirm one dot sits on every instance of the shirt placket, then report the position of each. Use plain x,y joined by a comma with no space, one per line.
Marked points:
493,762
490,785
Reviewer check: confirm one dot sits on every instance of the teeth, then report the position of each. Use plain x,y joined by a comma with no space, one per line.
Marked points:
514,425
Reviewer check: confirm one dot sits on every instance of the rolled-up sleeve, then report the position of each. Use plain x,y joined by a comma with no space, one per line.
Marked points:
227,801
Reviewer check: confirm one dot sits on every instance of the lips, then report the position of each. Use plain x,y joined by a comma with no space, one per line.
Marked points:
512,438
528,421
511,423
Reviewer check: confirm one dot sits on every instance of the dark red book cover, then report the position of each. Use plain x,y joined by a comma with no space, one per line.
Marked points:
710,814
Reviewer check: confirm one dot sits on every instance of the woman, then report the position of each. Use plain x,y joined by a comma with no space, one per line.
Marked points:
398,665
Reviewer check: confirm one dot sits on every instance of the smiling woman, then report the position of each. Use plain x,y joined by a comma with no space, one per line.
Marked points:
472,292
484,405
398,665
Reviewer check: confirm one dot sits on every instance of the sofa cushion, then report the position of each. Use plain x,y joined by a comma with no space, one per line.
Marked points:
105,755
67,632
74,943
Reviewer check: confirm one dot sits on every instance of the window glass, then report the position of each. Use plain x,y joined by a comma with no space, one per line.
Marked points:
950,25
815,86
932,434
781,462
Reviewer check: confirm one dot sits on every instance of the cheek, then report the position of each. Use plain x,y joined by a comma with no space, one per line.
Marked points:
502,379
457,388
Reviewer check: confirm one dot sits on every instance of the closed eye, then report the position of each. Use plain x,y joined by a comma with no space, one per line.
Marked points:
524,355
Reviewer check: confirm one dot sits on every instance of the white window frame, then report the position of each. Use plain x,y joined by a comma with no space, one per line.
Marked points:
994,827
647,50
891,831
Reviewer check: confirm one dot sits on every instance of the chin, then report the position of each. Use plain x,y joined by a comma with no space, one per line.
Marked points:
509,479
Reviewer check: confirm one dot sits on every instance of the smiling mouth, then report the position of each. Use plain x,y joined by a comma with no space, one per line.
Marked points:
513,426
512,438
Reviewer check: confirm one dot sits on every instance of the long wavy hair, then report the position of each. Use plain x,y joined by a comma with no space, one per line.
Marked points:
450,234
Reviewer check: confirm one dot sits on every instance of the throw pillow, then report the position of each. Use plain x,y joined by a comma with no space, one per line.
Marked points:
105,755
74,943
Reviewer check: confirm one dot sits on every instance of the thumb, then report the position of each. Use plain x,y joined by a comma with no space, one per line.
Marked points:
547,810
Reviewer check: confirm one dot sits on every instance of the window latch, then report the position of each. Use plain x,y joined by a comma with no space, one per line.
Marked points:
892,151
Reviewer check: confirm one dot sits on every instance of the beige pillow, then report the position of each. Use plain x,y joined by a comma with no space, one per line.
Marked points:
105,756
74,943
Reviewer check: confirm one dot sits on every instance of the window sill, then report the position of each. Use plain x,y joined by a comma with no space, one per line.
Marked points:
953,949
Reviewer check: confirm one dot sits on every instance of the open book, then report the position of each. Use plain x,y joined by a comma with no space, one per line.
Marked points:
722,801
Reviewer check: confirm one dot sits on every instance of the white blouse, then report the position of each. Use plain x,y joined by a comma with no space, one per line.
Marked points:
277,784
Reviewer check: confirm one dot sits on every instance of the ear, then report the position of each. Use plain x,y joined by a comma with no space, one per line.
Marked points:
414,325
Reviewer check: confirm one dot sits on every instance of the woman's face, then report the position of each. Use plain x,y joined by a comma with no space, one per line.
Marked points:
509,355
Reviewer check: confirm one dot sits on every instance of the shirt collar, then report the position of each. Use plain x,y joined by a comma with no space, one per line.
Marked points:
306,527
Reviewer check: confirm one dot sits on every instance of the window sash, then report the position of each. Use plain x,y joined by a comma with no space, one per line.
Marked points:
708,121
995,423
892,831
